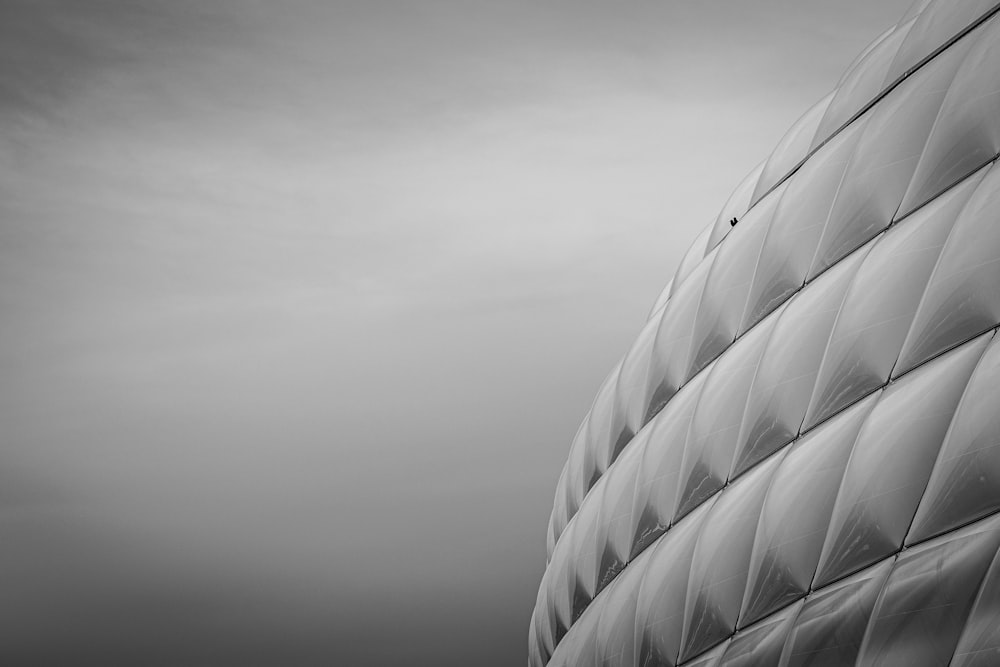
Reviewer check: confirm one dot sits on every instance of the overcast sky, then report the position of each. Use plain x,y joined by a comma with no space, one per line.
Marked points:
301,303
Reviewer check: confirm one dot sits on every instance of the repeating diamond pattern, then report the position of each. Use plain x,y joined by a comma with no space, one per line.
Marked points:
798,461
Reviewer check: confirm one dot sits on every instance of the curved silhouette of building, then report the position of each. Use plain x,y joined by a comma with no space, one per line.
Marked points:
798,460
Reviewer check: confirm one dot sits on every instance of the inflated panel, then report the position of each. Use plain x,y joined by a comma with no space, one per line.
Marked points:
699,248
883,162
892,461
881,303
763,643
728,284
785,378
796,512
965,483
966,133
662,299
925,603
660,608
737,205
658,479
792,148
862,83
940,21
614,538
615,640
979,645
668,369
798,223
715,425
961,299
721,561
830,627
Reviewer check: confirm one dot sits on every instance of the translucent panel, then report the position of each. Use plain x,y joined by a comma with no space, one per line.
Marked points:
660,608
601,437
784,381
763,643
560,522
711,443
582,471
728,285
633,381
573,486
534,657
884,160
720,563
659,471
966,133
585,549
881,303
965,483
544,647
615,641
937,24
580,645
691,258
831,626
543,625
561,581
962,299
862,84
669,363
796,512
615,522
868,49
798,223
891,462
735,207
662,299
921,612
979,645
557,520
792,148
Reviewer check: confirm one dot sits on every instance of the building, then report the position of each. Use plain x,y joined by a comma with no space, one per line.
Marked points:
798,460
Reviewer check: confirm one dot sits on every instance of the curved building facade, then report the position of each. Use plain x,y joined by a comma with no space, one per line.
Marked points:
798,460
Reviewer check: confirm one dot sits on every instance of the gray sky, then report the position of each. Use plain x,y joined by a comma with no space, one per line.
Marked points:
302,302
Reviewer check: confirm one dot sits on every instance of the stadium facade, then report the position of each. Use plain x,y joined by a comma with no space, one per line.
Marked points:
798,460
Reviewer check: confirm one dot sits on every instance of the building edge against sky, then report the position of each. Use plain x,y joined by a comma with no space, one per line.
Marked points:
797,461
